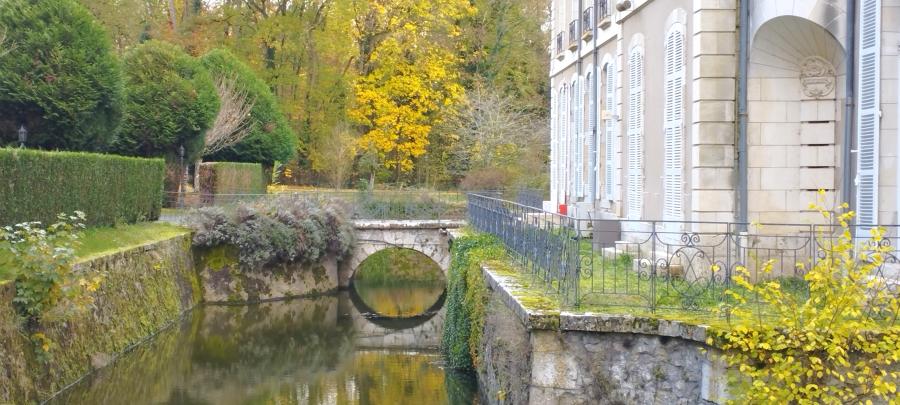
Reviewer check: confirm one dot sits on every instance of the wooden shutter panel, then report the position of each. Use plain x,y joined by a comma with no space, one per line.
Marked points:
564,144
590,135
867,130
579,143
610,139
554,137
635,183
673,172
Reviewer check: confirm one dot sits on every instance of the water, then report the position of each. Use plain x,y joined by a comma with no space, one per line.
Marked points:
302,351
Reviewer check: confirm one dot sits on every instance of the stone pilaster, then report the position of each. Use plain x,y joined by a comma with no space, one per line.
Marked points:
712,140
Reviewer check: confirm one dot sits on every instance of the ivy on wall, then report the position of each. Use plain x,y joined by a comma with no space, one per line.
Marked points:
467,298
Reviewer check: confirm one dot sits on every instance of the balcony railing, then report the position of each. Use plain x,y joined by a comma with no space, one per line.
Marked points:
603,19
559,46
573,35
587,25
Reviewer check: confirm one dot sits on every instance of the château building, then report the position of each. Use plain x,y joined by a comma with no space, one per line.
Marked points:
724,110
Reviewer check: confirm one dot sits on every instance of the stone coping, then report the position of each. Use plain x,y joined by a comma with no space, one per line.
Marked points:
409,224
535,319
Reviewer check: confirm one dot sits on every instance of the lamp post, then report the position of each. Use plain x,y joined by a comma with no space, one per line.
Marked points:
23,135
180,175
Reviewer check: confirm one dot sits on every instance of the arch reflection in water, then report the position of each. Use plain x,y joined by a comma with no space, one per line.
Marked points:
303,351
398,283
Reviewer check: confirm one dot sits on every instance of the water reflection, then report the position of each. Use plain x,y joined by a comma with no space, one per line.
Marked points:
302,351
401,301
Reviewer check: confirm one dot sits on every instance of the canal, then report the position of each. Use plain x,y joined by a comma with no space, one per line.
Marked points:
374,344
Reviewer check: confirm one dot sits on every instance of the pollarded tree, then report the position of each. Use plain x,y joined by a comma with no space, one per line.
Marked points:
269,137
61,79
170,101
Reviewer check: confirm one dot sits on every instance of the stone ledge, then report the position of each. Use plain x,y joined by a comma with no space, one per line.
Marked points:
409,224
587,322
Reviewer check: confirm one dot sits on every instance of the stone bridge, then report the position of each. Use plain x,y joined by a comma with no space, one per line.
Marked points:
429,237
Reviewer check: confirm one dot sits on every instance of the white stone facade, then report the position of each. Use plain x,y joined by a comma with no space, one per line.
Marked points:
645,119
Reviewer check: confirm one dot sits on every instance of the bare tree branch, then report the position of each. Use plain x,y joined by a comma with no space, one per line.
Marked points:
232,124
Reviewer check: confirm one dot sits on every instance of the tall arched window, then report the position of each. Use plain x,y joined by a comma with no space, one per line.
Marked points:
577,142
673,125
635,155
609,96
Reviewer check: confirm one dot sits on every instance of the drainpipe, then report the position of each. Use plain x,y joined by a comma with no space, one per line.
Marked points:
849,106
743,43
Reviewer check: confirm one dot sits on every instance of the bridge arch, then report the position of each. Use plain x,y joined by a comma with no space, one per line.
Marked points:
430,238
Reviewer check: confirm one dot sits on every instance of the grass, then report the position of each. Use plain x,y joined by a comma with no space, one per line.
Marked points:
101,241
611,285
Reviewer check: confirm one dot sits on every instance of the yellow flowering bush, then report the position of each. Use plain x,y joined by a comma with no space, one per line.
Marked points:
841,344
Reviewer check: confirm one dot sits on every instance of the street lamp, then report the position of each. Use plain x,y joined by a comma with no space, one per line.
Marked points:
23,135
180,175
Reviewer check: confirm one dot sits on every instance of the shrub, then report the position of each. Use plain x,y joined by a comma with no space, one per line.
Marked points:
467,299
170,100
232,178
839,345
270,137
60,76
43,261
109,189
283,229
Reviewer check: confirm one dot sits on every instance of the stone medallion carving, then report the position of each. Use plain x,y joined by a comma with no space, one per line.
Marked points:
816,77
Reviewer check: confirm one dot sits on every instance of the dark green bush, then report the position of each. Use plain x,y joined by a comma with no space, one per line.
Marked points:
271,138
467,298
170,101
37,185
282,229
59,76
232,178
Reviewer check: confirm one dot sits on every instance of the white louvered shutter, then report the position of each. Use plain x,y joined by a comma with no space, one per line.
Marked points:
564,144
673,125
554,137
609,162
579,143
868,121
635,182
590,133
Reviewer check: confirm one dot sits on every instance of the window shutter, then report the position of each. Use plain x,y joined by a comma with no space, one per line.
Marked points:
554,137
591,132
579,144
868,121
563,144
635,182
609,162
673,126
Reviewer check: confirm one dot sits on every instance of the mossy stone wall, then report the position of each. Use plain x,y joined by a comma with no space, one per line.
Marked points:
143,290
223,280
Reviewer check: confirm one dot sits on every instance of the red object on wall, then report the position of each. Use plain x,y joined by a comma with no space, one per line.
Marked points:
563,209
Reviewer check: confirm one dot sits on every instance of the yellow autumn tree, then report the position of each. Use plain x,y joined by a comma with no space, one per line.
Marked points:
408,74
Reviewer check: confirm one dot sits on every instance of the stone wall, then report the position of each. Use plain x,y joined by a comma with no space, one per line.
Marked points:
540,357
222,279
143,291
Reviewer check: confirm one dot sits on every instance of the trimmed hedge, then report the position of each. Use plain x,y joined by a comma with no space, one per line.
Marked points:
232,178
38,185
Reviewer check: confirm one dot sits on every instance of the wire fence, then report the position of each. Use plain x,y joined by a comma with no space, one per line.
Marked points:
363,205
658,265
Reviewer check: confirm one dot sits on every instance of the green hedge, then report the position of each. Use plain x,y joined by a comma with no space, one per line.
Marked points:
38,185
232,178
467,298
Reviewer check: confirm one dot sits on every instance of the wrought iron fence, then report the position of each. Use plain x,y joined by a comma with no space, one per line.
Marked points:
559,43
657,265
374,205
602,10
